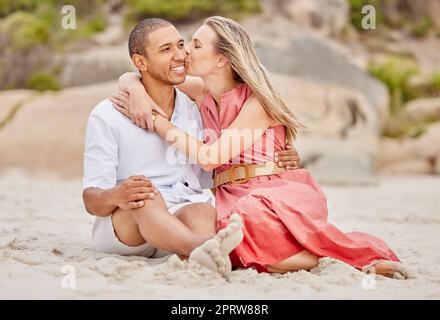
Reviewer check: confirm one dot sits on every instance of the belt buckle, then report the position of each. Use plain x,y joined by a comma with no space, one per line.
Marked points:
239,181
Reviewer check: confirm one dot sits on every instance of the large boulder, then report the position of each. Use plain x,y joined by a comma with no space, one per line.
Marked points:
418,154
285,49
310,13
342,132
423,109
407,167
98,64
47,133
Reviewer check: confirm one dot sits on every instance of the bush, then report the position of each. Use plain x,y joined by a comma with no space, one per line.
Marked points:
10,6
421,28
23,30
395,72
182,10
436,83
41,82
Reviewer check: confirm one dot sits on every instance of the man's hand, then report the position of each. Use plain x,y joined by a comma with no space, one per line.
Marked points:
288,158
133,192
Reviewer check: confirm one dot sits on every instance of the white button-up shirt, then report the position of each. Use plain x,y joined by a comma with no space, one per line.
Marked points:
115,149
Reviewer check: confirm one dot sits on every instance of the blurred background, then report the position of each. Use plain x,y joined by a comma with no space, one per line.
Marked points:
370,97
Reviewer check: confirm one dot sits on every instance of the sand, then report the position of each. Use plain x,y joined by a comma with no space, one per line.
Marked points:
45,231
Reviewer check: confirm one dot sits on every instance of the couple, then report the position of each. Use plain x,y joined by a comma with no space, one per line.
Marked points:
268,217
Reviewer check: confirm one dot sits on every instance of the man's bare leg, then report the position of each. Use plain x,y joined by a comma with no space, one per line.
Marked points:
201,218
153,223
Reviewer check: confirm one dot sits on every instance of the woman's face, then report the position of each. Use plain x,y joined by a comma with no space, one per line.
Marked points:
202,56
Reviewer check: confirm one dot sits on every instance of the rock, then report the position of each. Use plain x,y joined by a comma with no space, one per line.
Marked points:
415,154
426,146
407,167
390,151
330,21
9,100
342,130
423,109
318,60
437,164
95,65
48,131
336,162
330,111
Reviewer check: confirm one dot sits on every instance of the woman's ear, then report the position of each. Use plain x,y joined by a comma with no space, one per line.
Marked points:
221,61
140,62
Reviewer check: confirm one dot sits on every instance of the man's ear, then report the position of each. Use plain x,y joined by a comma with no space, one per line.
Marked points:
140,62
222,60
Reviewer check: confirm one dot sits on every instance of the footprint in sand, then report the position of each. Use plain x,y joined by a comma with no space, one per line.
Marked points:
214,253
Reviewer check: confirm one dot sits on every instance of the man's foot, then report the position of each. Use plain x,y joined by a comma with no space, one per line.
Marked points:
391,269
228,237
214,253
208,254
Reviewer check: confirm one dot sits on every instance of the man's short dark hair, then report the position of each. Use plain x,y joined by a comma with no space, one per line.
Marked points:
139,35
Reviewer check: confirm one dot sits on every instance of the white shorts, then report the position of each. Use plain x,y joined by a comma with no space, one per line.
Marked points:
106,240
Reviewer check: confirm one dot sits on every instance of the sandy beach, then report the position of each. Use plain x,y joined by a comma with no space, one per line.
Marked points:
45,234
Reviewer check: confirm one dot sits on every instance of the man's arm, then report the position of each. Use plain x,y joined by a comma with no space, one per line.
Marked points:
130,194
98,202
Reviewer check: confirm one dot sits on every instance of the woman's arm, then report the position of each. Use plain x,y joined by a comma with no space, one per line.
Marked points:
136,100
139,104
193,87
244,131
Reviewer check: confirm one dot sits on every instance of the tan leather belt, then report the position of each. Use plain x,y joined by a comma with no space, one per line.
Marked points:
241,173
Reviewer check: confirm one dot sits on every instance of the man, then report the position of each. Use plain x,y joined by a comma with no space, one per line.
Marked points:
166,212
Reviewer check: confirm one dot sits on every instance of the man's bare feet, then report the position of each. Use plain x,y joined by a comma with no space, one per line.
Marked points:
386,268
228,237
214,253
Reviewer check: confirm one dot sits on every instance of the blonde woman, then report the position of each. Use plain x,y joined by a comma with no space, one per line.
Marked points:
284,212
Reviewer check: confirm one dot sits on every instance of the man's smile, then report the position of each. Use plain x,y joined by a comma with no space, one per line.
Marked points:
179,70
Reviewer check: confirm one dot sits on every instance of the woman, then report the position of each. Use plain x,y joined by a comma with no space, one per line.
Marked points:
284,211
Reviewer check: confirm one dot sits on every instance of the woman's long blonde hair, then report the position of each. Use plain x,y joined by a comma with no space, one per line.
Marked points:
235,44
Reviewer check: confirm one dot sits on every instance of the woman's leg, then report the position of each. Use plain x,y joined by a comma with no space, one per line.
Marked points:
305,260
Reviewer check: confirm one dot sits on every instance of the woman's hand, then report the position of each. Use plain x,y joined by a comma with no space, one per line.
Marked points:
136,107
135,100
288,158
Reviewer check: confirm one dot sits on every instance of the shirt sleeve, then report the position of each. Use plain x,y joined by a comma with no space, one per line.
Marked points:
100,154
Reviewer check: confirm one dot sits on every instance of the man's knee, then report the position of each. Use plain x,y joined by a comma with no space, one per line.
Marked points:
150,206
198,213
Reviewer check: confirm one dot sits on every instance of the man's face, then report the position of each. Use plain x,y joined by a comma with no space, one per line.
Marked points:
166,56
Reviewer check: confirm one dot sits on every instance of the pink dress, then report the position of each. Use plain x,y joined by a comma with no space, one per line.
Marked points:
284,213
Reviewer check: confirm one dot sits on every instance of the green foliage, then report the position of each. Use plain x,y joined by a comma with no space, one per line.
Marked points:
436,83
395,72
181,10
42,81
23,30
9,6
421,28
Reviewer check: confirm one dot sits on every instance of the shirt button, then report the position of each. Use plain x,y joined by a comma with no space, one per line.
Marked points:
186,184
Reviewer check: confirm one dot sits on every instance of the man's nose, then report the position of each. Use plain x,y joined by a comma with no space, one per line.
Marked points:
180,55
188,49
